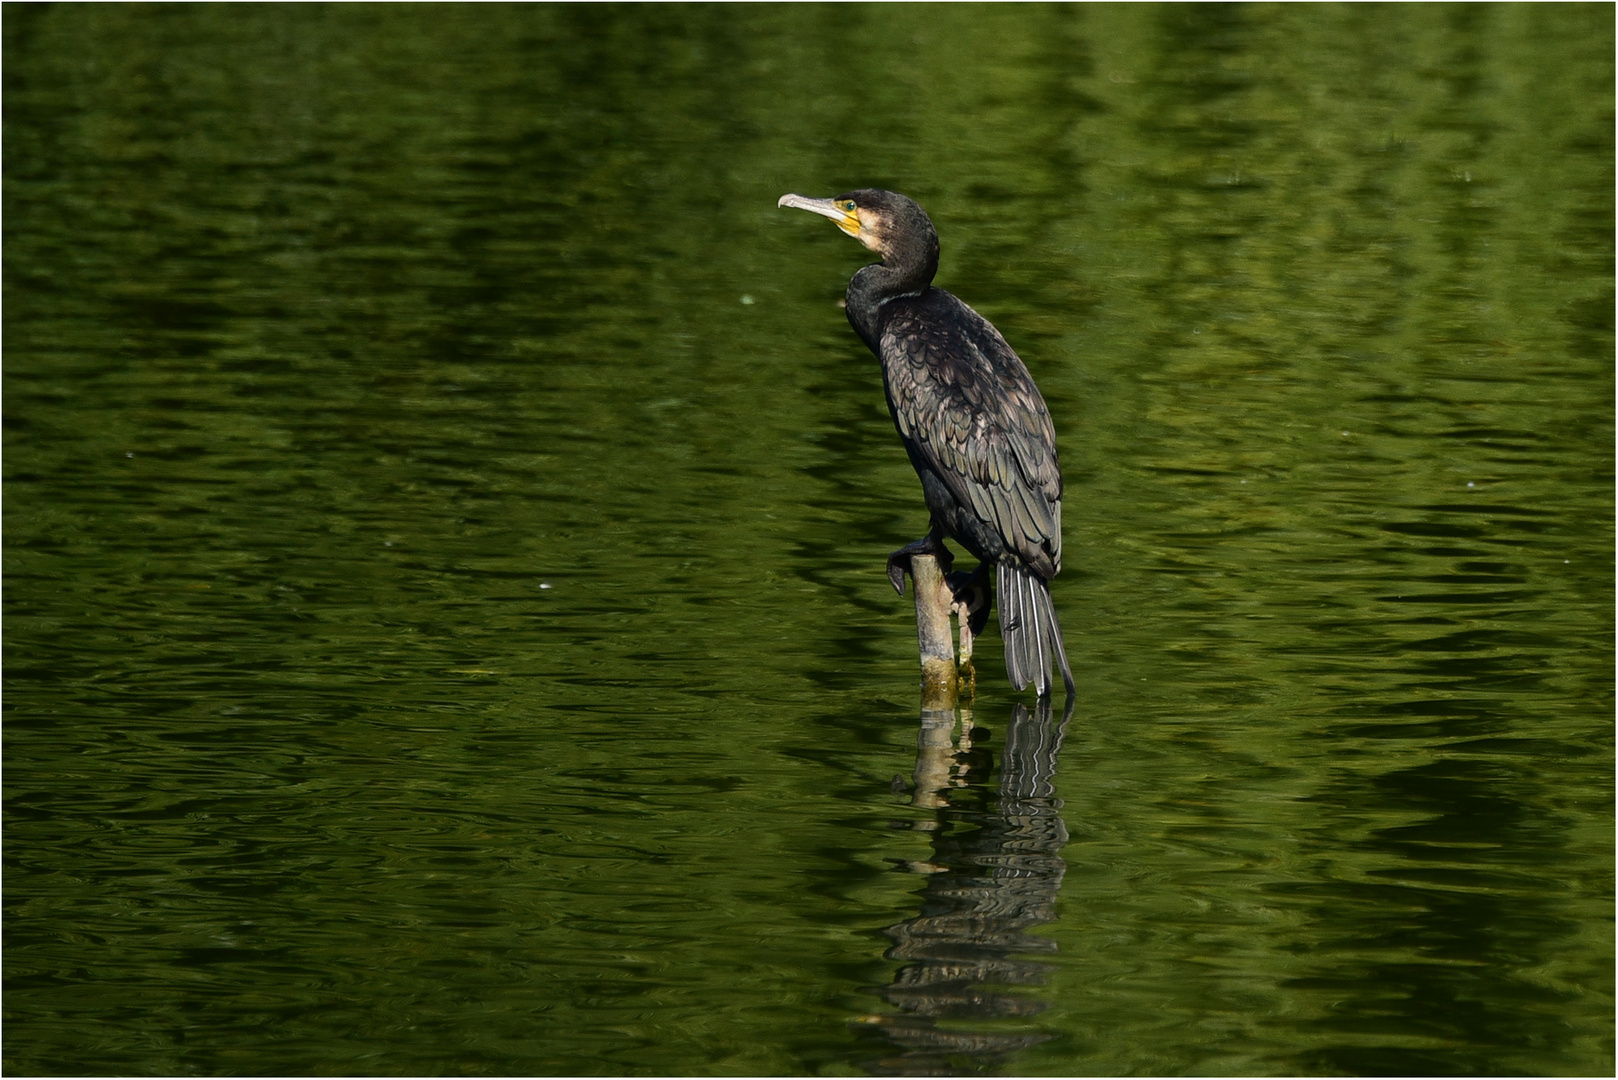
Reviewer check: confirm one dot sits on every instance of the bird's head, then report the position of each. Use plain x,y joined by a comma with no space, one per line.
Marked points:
886,222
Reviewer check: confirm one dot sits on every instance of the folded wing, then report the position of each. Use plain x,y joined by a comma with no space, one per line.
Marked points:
968,406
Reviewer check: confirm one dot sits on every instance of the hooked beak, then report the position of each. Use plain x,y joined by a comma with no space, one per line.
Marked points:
847,220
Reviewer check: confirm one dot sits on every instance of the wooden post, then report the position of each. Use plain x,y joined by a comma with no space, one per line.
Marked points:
934,601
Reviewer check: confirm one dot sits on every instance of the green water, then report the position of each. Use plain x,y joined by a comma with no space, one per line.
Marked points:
445,512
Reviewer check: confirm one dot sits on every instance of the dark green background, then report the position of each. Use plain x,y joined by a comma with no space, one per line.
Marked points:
445,511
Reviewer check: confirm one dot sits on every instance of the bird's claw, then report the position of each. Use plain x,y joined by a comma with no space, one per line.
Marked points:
899,561
897,568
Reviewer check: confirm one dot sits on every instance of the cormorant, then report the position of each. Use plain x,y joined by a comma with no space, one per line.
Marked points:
972,421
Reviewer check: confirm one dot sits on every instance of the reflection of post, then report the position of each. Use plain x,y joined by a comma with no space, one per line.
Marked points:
933,603
940,762
935,753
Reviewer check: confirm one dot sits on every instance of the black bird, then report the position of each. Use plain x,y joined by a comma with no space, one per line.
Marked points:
972,421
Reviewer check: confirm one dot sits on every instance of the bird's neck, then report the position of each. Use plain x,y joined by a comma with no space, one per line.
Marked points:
872,287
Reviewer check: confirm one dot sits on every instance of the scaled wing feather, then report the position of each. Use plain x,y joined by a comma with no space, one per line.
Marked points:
966,401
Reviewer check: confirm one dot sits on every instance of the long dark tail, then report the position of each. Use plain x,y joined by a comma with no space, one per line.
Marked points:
1029,628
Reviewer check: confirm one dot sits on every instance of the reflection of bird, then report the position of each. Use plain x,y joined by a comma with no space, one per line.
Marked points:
972,420
993,875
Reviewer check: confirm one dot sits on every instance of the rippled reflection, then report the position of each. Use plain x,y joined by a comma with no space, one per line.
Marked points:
994,875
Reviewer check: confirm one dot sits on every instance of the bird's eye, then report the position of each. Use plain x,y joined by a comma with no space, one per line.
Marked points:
849,207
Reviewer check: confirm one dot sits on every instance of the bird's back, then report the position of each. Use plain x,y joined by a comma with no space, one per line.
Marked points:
967,409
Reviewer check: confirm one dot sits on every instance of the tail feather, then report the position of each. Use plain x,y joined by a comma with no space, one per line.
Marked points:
1041,636
1013,621
1060,646
1029,629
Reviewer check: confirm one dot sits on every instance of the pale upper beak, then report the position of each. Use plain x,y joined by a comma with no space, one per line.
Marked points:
847,220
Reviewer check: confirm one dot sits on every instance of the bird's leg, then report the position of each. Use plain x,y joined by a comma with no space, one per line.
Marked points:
972,594
931,544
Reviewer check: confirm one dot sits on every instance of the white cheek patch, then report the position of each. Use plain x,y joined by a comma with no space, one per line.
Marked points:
873,230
